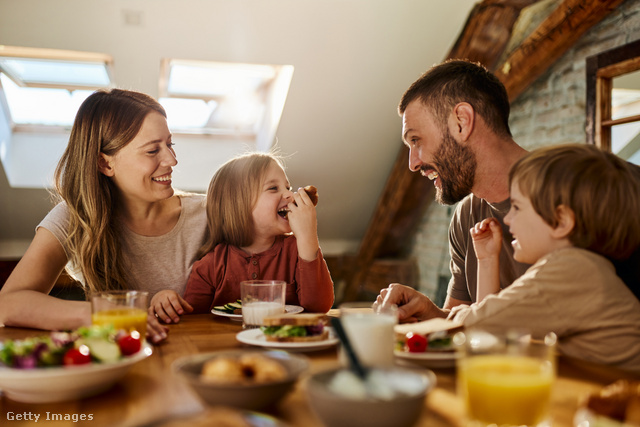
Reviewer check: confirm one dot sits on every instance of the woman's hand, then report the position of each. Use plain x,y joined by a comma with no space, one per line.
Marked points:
487,238
155,331
168,306
304,225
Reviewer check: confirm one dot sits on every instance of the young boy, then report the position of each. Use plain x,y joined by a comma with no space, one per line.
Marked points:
571,206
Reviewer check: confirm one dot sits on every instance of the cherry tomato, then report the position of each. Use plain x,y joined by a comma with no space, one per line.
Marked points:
416,343
130,344
77,356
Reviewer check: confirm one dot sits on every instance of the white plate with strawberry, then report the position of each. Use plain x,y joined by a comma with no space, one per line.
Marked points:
61,367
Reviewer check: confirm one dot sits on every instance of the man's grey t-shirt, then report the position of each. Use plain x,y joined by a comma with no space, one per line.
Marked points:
464,263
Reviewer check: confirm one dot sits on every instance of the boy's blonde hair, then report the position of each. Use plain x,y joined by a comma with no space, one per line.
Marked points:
232,195
600,188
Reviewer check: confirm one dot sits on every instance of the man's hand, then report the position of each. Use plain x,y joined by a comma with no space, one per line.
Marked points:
168,306
413,306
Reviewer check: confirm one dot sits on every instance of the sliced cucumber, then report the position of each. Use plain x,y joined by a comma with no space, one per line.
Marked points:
104,351
220,308
234,305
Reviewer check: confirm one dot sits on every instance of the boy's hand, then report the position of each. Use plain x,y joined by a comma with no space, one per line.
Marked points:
304,225
168,306
487,238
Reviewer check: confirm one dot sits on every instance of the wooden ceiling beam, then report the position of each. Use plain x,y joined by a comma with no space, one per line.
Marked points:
488,31
553,37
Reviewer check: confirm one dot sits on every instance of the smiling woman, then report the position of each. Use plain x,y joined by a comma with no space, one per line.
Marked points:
119,223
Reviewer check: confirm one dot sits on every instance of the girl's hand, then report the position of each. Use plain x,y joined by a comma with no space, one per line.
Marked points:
155,331
304,225
487,238
168,306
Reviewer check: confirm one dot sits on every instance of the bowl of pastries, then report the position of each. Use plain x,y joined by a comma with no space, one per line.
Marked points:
245,379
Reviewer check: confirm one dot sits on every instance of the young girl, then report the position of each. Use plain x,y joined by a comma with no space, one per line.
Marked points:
571,206
251,215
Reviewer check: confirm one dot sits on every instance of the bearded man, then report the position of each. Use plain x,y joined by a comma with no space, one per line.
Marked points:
455,124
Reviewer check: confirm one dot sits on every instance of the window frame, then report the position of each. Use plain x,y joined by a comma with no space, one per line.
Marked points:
601,69
53,55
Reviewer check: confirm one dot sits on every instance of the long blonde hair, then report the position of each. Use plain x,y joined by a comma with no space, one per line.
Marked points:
106,122
232,194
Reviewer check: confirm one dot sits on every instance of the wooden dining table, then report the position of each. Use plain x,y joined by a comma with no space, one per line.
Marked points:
150,393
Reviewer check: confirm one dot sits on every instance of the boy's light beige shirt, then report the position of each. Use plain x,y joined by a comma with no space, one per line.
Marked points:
576,294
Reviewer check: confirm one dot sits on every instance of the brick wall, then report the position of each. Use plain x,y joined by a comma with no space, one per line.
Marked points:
551,111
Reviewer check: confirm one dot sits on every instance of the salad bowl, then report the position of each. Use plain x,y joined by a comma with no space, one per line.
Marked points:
47,384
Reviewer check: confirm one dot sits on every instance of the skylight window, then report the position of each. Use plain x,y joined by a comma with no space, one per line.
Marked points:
223,98
37,106
46,86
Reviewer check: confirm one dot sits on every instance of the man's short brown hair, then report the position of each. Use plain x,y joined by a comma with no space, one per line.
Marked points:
445,85
601,189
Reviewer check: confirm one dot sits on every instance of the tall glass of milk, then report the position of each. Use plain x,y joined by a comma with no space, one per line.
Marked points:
261,298
370,332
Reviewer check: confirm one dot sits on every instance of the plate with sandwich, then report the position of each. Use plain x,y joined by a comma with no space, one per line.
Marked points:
427,343
233,310
293,332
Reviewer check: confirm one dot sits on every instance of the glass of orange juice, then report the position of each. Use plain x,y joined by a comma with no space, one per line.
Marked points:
505,379
125,310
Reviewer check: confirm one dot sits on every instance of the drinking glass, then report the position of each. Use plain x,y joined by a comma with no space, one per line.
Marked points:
125,310
261,298
370,332
505,379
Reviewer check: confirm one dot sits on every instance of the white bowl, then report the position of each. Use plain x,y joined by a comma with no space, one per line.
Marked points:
56,384
402,410
251,396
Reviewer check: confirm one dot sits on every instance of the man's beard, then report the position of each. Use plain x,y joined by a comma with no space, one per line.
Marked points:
456,166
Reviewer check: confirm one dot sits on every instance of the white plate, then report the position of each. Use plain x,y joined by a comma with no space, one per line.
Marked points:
291,309
55,384
434,359
256,337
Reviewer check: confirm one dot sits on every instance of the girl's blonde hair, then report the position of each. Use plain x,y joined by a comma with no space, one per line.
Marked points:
601,189
232,195
106,122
